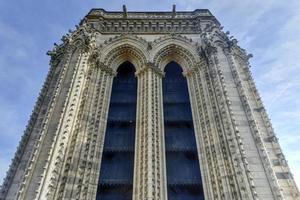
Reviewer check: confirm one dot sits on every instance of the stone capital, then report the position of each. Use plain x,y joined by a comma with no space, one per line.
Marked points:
105,68
150,66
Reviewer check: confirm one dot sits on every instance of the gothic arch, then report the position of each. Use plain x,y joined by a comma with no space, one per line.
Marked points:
123,48
175,48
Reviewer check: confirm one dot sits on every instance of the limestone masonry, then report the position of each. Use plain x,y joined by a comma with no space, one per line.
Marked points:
149,106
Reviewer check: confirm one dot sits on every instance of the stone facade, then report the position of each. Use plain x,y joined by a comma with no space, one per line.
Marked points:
60,152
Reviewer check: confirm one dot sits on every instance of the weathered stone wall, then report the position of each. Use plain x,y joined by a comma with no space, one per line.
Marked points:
60,153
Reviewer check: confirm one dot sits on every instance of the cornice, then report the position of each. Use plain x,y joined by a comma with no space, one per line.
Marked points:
188,22
99,12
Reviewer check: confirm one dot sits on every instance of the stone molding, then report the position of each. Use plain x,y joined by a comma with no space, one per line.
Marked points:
145,23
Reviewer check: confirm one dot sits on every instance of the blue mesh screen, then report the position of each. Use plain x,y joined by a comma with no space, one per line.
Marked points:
183,171
116,173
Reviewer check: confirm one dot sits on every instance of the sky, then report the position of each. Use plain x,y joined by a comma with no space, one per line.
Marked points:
268,29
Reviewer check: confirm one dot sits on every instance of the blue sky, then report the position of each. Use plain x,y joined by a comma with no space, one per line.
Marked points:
269,29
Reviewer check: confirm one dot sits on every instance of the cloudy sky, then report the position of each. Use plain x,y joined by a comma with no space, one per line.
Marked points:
269,29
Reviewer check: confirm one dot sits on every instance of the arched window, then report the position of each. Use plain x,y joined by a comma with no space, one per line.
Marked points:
116,172
183,171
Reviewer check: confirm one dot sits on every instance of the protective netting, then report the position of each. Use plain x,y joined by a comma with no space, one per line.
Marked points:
183,171
116,173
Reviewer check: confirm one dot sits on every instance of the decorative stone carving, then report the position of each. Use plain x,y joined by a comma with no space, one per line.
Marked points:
149,174
59,156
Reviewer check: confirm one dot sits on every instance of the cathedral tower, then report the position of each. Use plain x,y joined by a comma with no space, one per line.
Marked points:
149,106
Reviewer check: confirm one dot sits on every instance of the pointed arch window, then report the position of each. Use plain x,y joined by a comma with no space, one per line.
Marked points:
116,172
183,171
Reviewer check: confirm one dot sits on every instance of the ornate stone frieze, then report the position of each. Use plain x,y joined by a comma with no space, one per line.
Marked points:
163,22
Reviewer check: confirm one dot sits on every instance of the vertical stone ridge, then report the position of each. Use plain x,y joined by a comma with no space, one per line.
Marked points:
201,134
260,123
149,172
92,179
79,157
44,100
63,130
28,186
255,130
75,111
85,140
208,137
213,132
70,162
203,137
241,169
94,139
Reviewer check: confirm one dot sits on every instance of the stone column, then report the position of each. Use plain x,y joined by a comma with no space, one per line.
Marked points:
81,170
52,170
149,173
213,150
202,125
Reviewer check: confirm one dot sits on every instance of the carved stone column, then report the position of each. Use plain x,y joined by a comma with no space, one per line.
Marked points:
92,135
81,170
149,173
203,133
73,169
215,162
65,128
